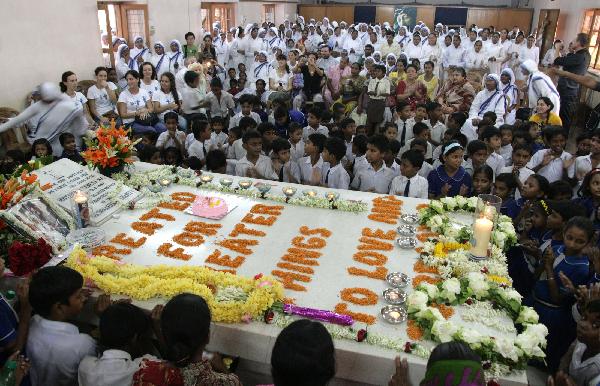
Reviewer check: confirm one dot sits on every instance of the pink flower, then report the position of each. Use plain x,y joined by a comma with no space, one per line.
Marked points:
265,283
258,276
246,318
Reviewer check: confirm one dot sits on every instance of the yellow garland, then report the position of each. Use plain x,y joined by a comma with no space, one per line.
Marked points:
441,249
500,280
141,283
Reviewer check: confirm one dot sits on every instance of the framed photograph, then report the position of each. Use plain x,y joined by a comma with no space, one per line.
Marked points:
37,216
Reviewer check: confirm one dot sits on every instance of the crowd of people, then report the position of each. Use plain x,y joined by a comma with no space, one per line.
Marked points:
427,113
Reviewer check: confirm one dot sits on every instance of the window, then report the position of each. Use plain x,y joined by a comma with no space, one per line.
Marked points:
269,13
591,26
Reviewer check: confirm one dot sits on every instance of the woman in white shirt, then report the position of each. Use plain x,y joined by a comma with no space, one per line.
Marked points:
280,79
414,49
102,98
167,99
148,81
530,51
476,59
553,53
134,103
68,85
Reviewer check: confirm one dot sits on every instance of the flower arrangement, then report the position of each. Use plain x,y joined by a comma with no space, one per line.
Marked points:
514,353
24,258
109,148
435,217
250,297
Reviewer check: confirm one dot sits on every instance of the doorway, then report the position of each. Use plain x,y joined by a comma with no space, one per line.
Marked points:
222,14
121,20
547,25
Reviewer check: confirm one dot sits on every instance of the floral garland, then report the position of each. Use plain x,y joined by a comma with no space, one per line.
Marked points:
186,177
435,217
514,353
139,282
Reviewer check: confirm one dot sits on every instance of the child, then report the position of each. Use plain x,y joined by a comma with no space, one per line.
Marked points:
268,133
483,179
521,155
313,167
553,162
286,169
216,161
42,149
409,183
583,142
55,346
218,137
390,130
420,145
522,137
124,334
246,124
151,154
376,177
246,103
378,90
534,188
359,149
583,164
390,157
172,156
348,129
478,153
314,124
549,299
589,196
582,360
254,164
185,328
491,136
336,177
303,354
506,135
535,132
361,130
403,112
420,114
449,179
233,135
173,137
436,115
504,186
560,190
67,141
420,130
202,144
149,138
296,142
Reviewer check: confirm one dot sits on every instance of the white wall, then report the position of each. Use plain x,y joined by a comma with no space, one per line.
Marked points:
571,15
253,11
40,39
171,19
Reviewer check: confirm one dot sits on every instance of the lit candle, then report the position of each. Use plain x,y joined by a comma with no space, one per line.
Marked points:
206,178
165,182
330,196
482,232
392,295
81,209
310,193
245,184
395,314
226,182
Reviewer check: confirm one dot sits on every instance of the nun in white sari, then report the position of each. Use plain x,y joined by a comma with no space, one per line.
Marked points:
491,98
139,53
432,52
159,60
124,64
539,85
175,56
403,37
511,92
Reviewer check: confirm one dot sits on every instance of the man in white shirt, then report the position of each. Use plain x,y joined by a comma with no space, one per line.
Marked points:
54,346
454,56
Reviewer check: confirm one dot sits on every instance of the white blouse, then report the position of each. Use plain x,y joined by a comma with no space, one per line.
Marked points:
134,102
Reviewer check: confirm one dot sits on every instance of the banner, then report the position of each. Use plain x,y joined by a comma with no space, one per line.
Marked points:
405,17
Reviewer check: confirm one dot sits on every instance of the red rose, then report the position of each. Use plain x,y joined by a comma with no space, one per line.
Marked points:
268,317
361,335
258,276
408,348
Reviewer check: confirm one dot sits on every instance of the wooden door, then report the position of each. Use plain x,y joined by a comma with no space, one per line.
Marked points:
222,13
546,27
105,26
134,22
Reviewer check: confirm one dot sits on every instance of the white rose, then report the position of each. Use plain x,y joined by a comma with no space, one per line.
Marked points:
436,221
417,301
506,347
437,206
528,344
478,284
538,332
528,315
444,330
472,201
452,232
506,227
432,290
460,201
430,313
471,336
500,239
510,294
450,203
450,288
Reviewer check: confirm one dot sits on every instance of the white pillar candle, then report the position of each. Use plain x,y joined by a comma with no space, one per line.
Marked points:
81,209
482,232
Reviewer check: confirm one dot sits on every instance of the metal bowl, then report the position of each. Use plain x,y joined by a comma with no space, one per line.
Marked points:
155,188
406,242
394,296
397,279
407,230
394,314
410,219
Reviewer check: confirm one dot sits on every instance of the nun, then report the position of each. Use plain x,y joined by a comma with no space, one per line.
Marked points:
124,64
511,93
57,114
414,49
175,57
491,98
539,85
222,49
139,53
403,38
253,46
261,69
432,52
160,60
496,55
273,41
